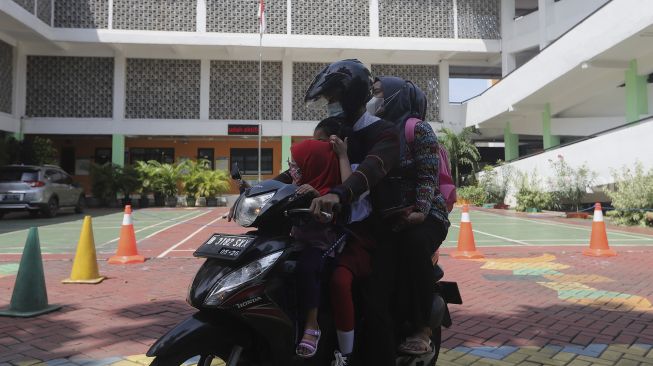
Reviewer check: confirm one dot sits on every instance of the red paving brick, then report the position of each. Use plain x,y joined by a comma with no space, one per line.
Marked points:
128,311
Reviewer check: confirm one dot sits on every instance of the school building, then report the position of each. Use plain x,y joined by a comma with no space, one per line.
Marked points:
129,80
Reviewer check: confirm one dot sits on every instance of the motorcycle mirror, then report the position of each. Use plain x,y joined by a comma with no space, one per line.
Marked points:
235,172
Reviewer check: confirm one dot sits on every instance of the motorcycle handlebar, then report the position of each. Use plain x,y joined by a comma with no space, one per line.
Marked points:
306,211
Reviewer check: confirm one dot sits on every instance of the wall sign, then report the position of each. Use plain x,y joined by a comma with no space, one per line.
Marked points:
243,130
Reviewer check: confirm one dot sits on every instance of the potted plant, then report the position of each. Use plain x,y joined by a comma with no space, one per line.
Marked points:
104,184
194,175
216,183
165,178
127,182
146,178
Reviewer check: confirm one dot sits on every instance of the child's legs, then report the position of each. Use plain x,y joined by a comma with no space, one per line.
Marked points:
308,272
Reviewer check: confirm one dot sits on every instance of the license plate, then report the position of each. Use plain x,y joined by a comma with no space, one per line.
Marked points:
224,246
11,197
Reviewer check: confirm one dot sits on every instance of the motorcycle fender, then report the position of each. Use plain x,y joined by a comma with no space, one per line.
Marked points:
201,332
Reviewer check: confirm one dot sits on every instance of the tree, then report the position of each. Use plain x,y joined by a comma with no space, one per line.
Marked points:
461,149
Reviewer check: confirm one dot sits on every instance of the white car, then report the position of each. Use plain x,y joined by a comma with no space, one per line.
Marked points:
35,189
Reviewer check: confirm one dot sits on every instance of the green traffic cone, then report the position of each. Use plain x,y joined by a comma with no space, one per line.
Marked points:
30,297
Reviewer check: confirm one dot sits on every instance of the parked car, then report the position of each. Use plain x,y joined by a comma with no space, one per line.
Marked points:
43,189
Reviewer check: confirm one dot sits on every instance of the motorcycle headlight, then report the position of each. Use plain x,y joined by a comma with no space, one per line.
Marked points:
249,208
239,277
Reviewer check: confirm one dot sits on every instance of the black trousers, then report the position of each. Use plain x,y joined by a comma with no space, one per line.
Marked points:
415,278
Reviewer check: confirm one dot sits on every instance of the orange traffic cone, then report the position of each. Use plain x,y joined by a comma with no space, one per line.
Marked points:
466,245
599,240
127,251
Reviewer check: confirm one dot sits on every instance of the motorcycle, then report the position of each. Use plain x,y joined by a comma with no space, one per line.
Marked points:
245,292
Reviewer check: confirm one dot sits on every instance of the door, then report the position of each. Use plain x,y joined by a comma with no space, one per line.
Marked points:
207,154
68,160
54,187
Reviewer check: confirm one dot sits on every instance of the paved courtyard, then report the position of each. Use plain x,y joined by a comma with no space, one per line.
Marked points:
534,300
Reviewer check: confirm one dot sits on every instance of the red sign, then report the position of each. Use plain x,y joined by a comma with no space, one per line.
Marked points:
243,130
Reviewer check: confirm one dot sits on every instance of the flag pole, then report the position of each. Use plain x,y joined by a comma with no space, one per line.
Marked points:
261,21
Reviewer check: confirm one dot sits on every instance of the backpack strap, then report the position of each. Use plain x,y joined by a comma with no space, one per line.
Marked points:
409,129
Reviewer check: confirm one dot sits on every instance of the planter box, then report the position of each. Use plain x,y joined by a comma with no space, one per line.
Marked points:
532,210
201,202
577,215
190,201
144,202
489,205
211,202
501,206
222,201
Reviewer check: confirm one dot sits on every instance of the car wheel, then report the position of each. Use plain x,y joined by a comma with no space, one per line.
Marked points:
52,208
81,204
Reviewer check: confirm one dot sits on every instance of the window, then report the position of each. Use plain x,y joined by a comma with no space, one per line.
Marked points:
247,160
102,155
55,176
12,174
207,154
160,154
68,160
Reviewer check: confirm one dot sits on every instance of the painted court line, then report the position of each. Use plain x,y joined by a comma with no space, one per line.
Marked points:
610,231
151,226
178,223
495,236
162,255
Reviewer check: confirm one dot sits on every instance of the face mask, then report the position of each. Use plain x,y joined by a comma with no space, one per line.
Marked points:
374,105
335,110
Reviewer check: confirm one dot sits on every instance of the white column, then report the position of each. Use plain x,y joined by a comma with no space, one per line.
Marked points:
443,70
119,81
545,15
507,33
374,18
289,16
205,89
20,81
201,16
110,15
455,18
286,90
52,13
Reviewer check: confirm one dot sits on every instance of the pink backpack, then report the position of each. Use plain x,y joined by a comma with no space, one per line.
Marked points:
447,186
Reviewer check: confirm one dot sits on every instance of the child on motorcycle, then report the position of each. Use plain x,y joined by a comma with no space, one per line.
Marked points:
316,166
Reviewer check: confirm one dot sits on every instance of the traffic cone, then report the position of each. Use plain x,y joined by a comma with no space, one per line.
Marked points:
466,245
127,252
30,297
599,240
85,269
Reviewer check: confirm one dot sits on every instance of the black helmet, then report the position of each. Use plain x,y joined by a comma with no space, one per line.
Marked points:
348,80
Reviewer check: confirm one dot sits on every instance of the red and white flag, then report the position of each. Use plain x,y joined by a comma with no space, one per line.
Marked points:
261,16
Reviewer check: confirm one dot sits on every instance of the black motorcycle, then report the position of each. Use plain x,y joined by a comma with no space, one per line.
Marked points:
245,293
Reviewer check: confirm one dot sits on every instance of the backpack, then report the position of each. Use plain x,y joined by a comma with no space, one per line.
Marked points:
447,186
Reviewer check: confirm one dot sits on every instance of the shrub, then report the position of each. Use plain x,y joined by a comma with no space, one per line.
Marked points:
496,182
472,194
632,196
104,182
569,184
531,195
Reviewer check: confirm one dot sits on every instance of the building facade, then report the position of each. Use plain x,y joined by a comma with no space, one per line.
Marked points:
128,80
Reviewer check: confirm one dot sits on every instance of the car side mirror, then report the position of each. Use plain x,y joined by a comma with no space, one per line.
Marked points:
235,172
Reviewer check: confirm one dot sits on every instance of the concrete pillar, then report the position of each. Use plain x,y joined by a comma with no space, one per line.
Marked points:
117,139
118,149
20,88
205,89
636,93
286,109
374,18
443,70
511,142
507,32
548,139
545,16
201,16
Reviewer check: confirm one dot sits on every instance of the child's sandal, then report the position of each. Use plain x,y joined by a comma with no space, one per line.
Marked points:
306,348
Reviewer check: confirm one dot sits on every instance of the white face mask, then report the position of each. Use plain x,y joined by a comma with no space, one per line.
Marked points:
374,105
335,110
